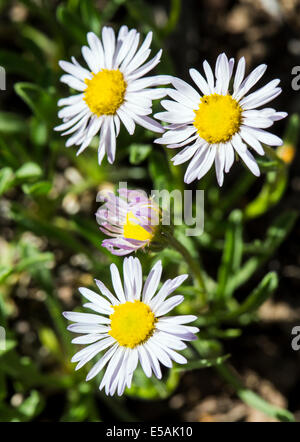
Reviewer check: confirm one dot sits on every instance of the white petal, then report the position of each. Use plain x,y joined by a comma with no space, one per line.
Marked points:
76,71
176,136
87,328
88,339
171,341
97,50
220,163
143,70
104,290
260,122
90,59
182,99
161,355
168,305
116,280
70,100
200,81
175,117
185,89
88,318
109,40
250,81
246,156
182,319
102,362
229,157
251,140
153,361
198,159
265,137
111,142
207,163
209,76
130,53
147,123
239,74
92,350
73,82
144,360
185,155
96,299
152,282
126,120
125,47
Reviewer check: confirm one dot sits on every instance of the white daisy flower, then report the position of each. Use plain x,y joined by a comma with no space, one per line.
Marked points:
219,121
111,90
131,326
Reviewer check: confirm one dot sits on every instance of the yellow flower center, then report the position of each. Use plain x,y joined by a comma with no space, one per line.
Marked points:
132,230
105,92
218,118
132,323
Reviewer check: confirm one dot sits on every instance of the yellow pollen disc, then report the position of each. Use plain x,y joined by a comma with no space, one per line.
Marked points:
105,92
132,323
218,118
135,231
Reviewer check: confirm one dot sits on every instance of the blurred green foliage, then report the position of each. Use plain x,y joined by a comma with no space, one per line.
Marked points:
45,222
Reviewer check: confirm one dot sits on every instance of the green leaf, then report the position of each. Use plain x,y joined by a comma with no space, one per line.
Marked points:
15,63
267,165
12,123
139,152
153,388
9,345
6,179
50,341
28,171
38,131
259,295
208,348
252,399
159,172
24,264
110,9
41,102
270,194
291,134
37,189
31,261
90,16
202,363
232,254
32,406
72,24
5,272
275,235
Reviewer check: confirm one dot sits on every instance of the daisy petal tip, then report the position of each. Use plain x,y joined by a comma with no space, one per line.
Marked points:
193,338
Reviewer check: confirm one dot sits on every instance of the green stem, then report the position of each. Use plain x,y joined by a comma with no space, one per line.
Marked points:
250,398
194,265
173,17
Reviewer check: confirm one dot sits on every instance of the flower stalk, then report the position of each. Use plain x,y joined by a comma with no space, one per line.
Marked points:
192,263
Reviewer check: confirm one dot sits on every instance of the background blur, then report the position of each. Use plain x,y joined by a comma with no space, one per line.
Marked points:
50,242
